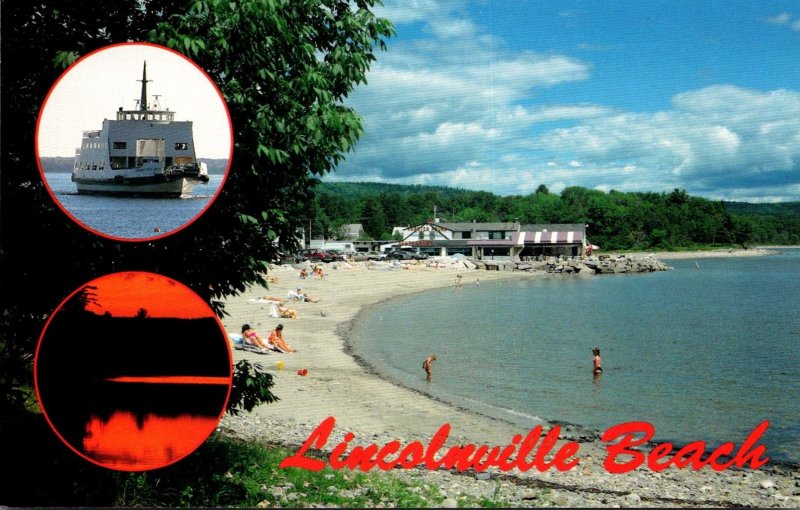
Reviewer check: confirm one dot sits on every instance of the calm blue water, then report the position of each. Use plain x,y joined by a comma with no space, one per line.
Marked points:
701,354
129,217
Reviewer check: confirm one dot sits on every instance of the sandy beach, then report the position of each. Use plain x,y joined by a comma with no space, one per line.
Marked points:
377,411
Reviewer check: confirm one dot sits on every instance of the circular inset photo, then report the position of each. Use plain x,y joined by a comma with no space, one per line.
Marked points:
133,371
134,141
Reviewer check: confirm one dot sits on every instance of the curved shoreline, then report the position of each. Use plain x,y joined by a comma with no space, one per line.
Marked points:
577,431
340,384
344,332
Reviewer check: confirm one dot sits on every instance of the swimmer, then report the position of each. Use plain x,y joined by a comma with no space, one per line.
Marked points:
427,365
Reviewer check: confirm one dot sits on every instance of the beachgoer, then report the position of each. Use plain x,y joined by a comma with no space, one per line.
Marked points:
317,271
273,279
306,297
303,274
478,282
276,339
427,366
297,294
287,313
597,367
250,336
458,281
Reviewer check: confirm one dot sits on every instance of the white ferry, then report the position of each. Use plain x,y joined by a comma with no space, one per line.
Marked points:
143,152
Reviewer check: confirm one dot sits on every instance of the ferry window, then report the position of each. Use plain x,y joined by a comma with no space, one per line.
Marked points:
120,145
94,167
181,146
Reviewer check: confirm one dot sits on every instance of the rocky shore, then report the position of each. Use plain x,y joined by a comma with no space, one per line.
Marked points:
376,411
599,264
587,485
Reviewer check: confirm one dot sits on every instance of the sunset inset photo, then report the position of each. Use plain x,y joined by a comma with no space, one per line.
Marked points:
148,376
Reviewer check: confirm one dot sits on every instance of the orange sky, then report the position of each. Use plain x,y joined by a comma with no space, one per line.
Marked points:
123,294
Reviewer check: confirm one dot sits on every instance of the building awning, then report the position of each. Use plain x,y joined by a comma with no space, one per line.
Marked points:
532,238
547,237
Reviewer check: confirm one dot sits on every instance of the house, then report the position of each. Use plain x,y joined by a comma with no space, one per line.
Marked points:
351,231
501,240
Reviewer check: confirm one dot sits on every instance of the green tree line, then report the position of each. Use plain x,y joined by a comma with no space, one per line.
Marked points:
616,220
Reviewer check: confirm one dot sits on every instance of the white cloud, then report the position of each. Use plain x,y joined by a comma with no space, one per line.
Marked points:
785,18
450,29
780,19
713,138
409,11
467,117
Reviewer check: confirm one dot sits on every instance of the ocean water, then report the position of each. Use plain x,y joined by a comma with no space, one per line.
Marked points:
702,354
133,218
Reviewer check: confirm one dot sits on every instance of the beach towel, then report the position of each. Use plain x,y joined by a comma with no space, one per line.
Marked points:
273,310
238,343
236,340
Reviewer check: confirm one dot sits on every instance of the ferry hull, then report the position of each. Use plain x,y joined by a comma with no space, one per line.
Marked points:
173,188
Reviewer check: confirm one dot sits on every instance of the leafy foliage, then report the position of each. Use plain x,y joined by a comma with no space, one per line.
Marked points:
284,68
251,387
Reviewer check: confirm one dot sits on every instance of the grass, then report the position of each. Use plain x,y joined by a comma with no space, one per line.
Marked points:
253,479
38,470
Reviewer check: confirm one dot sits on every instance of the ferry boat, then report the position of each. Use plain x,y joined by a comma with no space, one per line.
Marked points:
143,152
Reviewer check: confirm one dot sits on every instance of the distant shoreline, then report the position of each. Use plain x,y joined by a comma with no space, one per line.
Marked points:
759,251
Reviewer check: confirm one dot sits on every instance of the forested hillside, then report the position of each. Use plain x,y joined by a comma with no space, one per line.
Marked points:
616,220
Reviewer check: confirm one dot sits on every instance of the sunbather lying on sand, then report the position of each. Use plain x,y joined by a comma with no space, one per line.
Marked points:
287,313
251,337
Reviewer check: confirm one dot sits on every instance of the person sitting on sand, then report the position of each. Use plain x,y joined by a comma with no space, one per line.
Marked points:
597,367
286,313
317,271
427,365
303,274
302,296
250,336
276,339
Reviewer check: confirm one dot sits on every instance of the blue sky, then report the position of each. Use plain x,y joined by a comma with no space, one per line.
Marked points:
628,95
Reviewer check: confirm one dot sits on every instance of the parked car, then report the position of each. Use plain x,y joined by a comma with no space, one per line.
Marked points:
318,256
335,255
287,258
375,255
401,255
361,256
